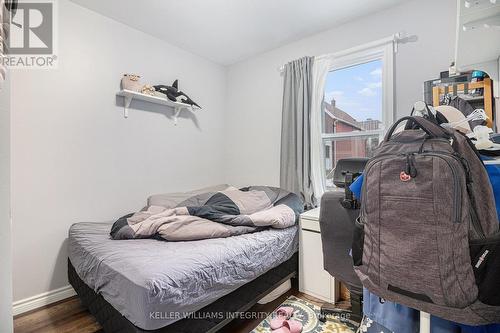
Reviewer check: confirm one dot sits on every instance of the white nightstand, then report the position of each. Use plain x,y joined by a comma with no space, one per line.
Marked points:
313,279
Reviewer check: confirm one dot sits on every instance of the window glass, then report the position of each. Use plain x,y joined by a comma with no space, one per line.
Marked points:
353,98
339,148
352,103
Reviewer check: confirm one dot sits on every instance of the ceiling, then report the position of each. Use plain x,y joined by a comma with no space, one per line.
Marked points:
228,31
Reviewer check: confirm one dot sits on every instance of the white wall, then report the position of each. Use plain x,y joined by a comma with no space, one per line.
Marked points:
255,87
5,227
74,156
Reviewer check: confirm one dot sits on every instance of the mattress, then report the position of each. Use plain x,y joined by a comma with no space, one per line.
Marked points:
238,301
155,283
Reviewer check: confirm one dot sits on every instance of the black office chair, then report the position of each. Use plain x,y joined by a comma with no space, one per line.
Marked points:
338,212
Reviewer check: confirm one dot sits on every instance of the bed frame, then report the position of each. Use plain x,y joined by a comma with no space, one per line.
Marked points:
239,300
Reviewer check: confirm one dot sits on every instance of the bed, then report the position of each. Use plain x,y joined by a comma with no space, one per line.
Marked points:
192,286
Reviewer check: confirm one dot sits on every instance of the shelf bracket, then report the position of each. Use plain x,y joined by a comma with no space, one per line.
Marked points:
127,100
177,111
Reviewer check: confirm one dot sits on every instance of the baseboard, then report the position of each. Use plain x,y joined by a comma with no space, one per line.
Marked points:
37,301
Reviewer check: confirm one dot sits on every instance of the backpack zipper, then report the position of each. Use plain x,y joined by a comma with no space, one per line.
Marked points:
457,207
363,187
457,214
473,213
412,169
476,225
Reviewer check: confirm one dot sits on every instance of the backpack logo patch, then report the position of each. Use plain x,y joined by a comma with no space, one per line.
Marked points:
481,258
404,177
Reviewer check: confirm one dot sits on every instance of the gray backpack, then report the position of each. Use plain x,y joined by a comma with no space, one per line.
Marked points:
428,235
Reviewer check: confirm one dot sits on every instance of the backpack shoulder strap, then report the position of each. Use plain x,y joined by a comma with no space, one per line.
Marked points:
427,126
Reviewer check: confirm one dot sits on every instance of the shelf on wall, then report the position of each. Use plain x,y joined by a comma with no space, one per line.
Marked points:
478,4
488,22
478,30
129,95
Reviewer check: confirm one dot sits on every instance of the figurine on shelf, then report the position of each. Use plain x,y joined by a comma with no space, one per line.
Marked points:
148,90
131,82
174,94
159,94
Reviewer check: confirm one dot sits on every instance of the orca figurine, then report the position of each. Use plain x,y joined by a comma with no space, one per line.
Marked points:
175,95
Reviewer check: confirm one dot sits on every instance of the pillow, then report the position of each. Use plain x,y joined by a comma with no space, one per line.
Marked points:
170,200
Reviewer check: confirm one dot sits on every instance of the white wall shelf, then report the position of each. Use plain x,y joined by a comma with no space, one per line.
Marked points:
478,33
475,4
129,95
488,22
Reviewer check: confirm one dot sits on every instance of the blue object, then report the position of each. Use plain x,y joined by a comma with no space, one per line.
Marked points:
357,184
401,319
396,317
494,174
477,74
492,328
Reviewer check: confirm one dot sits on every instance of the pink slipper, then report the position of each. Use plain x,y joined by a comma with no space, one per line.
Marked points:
282,314
289,326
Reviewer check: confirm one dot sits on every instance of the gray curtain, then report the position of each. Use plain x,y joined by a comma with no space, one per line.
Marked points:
295,168
4,33
3,36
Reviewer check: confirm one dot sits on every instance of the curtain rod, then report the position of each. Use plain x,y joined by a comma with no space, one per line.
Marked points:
400,37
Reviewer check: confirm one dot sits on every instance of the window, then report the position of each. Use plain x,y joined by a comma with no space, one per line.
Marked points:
357,106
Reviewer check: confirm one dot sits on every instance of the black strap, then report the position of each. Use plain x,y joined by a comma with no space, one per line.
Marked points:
349,201
433,130
407,293
11,6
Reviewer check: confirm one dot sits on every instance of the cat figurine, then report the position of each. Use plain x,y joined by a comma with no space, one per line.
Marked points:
131,82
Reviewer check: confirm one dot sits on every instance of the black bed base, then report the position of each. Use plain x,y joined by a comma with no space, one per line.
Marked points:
239,300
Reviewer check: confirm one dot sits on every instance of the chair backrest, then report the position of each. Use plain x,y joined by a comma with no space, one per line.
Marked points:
337,226
354,166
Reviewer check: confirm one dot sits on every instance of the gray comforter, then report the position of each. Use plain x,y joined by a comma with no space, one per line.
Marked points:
212,214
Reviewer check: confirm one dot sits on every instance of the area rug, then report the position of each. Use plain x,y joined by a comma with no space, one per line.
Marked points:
307,313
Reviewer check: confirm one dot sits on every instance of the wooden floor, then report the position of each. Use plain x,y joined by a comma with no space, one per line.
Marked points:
70,316
64,316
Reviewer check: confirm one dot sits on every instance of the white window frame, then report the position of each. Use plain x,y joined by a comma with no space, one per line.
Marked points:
380,50
384,50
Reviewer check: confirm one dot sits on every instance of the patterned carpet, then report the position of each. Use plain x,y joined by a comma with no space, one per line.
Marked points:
307,313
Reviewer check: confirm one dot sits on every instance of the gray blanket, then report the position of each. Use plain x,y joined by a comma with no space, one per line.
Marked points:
212,214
